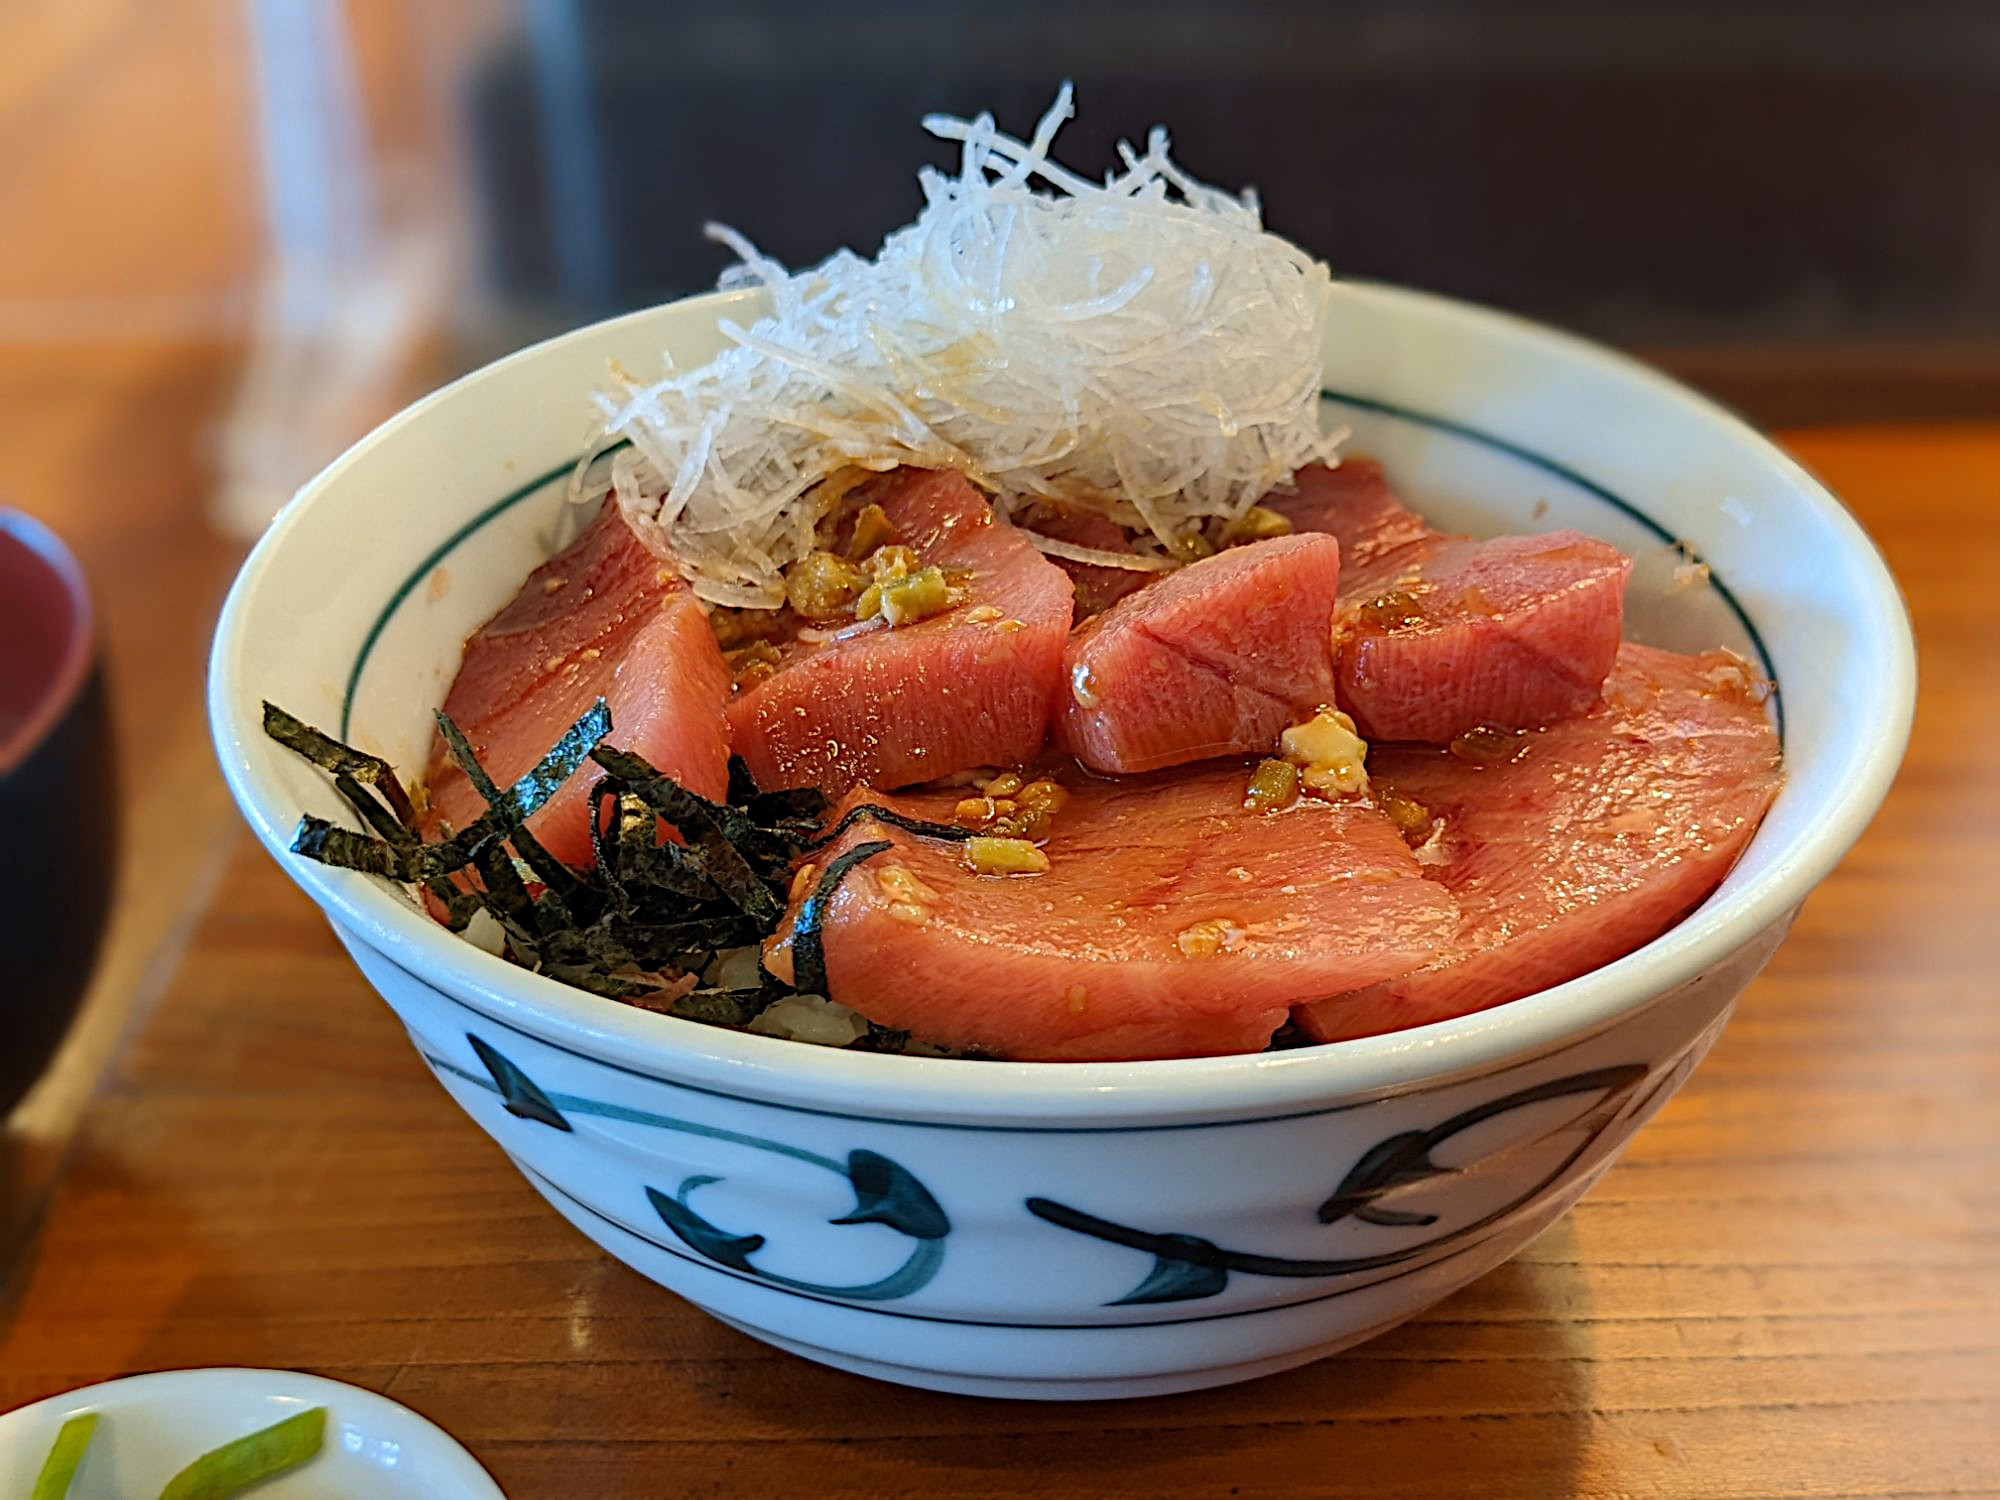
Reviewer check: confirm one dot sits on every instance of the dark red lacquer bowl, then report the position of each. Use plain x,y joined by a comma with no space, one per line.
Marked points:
58,806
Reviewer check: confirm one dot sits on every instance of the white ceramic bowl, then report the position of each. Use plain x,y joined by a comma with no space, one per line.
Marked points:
152,1426
1080,1230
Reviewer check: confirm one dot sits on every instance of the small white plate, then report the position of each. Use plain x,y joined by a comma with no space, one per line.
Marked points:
151,1427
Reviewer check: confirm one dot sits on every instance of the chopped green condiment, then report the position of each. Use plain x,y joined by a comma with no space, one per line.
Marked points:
821,586
1488,746
919,596
1398,609
1274,786
1409,815
1257,524
59,1468
872,529
234,1467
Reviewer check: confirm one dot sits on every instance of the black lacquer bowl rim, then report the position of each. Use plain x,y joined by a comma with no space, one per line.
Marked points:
23,533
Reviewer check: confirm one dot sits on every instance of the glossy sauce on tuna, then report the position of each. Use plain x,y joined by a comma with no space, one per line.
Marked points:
1581,842
972,686
604,619
1172,921
1468,789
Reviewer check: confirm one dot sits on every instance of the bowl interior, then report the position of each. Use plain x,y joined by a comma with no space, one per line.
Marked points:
45,621
353,609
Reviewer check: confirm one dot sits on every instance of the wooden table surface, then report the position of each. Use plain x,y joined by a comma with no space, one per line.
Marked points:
1790,1286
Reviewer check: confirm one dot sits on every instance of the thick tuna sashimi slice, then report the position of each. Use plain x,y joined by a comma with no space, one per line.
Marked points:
1442,636
1354,504
604,619
1605,832
1172,922
1216,659
973,686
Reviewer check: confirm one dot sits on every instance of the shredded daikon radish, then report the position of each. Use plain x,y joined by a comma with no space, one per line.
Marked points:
1137,562
1141,348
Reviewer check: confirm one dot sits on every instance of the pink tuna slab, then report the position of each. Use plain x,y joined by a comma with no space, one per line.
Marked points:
603,619
1445,634
1108,955
1354,504
892,707
1516,632
1216,659
1605,832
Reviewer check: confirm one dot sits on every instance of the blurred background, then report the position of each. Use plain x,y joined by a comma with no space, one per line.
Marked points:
328,205
236,233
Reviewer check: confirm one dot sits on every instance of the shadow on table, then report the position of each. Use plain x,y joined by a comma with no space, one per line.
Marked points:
26,1165
1487,1394
138,1264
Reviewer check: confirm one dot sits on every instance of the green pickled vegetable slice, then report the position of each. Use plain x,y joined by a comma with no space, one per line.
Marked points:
234,1467
59,1468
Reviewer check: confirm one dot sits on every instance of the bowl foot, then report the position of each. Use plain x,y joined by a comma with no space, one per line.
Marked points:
1059,1388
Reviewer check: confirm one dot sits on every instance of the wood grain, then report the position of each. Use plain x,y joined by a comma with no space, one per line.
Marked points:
1790,1286
71,420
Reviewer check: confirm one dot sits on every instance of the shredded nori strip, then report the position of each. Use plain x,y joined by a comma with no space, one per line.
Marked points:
551,871
881,1039
507,895
331,756
923,828
646,909
331,844
587,976
505,814
665,869
704,825
459,905
808,947
716,1007
605,836
692,935
373,812
502,820
802,804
